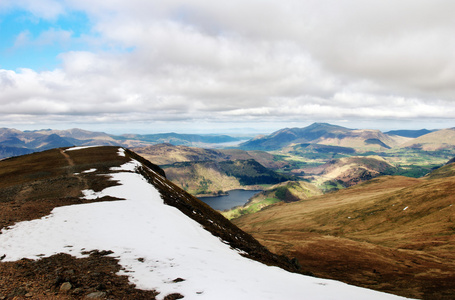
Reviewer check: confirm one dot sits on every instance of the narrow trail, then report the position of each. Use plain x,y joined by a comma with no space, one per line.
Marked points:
67,157
26,191
71,163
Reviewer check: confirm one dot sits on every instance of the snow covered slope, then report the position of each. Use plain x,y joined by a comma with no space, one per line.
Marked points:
161,248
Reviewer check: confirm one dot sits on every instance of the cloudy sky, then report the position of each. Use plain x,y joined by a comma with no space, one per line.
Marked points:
225,66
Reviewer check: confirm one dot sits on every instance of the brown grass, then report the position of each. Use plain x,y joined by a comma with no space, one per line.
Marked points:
32,185
365,236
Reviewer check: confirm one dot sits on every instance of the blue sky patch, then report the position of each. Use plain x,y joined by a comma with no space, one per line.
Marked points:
31,42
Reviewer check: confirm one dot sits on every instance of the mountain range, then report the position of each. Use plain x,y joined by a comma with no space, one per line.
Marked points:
358,139
103,222
318,137
388,233
14,142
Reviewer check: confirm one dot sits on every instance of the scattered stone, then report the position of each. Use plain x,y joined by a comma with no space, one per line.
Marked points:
174,296
178,280
295,262
29,295
65,287
69,272
77,291
96,295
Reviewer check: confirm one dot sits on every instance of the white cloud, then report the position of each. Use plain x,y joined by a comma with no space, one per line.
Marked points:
47,37
46,9
246,60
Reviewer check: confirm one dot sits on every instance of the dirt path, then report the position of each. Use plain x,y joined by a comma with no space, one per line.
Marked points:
71,163
67,157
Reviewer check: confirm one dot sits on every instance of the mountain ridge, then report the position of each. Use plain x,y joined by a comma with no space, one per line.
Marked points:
128,222
325,134
23,142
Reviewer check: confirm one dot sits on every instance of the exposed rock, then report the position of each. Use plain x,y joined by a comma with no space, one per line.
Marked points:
65,287
173,296
96,295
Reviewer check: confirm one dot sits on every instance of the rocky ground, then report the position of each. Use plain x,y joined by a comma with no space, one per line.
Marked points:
62,276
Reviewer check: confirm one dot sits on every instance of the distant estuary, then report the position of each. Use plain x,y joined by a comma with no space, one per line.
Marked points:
235,198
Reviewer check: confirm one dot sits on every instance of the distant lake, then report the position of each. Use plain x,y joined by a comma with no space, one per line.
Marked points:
235,198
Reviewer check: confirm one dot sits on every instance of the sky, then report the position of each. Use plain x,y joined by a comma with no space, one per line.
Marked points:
200,66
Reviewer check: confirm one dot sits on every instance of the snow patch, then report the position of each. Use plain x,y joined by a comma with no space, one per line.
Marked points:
80,148
156,244
89,171
405,208
130,166
121,152
92,195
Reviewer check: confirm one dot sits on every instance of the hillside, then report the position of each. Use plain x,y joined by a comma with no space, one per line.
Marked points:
7,151
15,142
445,171
166,154
287,136
392,233
215,178
289,191
438,140
173,138
78,134
326,134
102,222
409,133
364,140
349,171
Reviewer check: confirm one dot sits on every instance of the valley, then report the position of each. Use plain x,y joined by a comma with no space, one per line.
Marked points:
325,156
328,156
104,223
364,207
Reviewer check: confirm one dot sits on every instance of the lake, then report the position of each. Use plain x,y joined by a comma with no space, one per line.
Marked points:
235,198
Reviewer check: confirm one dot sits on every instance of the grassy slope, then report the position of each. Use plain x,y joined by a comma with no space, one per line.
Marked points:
47,179
212,178
201,178
352,170
289,191
441,139
394,234
365,140
164,154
